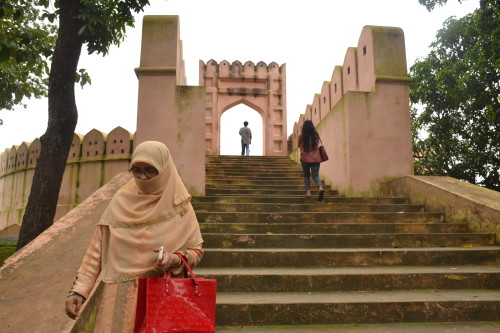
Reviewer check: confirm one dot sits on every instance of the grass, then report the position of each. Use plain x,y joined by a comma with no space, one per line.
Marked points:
6,250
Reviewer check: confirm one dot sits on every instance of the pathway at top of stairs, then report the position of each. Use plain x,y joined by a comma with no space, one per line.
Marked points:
284,262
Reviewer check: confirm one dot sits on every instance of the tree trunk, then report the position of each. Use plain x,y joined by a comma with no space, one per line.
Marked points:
63,116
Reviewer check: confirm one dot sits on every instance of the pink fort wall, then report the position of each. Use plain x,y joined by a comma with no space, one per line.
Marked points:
364,119
168,110
261,87
362,115
92,161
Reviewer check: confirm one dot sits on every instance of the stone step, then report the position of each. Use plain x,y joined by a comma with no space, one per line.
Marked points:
284,262
221,173
290,165
298,199
314,207
344,241
329,228
265,177
252,167
273,159
244,166
320,217
297,181
352,278
251,160
440,327
327,308
276,191
355,257
251,186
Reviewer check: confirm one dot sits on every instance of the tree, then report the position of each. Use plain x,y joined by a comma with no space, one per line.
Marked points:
98,24
430,4
455,99
27,40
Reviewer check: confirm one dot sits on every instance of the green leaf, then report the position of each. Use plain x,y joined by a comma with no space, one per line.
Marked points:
4,54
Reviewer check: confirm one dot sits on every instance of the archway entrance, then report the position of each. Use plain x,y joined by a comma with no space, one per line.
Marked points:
230,123
261,87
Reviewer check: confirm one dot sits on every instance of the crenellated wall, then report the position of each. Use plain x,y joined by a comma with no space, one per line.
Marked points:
363,116
261,87
167,111
93,160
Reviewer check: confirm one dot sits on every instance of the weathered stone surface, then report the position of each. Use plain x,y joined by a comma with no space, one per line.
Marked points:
284,262
461,202
35,281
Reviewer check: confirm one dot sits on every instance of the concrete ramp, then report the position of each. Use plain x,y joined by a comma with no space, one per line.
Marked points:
34,282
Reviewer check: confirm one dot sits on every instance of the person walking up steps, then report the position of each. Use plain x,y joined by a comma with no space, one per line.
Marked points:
310,158
246,139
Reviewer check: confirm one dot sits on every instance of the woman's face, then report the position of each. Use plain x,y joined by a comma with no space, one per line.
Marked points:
143,171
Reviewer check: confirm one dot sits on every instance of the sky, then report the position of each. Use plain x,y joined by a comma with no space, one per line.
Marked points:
311,37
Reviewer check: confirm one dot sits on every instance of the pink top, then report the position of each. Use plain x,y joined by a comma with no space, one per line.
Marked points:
311,156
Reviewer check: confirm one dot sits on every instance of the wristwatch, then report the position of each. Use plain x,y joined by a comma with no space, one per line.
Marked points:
72,293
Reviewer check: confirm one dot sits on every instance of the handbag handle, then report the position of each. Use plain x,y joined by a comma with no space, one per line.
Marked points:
197,290
320,139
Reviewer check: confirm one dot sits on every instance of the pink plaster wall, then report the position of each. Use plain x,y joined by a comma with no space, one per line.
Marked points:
316,110
167,111
82,177
3,194
261,87
324,99
336,87
366,131
350,71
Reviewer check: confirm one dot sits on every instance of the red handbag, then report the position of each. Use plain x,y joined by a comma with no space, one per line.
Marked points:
176,305
322,152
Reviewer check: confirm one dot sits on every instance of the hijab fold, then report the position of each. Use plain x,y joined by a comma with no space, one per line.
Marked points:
147,214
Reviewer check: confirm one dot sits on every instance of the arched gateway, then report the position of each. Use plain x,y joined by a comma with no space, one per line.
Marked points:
261,87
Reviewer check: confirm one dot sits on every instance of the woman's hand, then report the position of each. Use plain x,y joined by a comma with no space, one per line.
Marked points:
169,260
73,305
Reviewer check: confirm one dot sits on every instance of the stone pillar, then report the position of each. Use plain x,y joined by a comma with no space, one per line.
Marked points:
168,112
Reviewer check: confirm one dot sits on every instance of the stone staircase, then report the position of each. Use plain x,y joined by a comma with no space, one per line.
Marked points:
283,260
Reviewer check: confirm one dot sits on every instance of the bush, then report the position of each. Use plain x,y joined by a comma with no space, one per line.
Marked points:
6,250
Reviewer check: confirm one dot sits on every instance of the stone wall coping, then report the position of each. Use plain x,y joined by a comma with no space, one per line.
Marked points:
51,259
466,191
479,207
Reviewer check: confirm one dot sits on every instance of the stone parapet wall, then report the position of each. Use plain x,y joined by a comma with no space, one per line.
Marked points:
363,116
93,160
461,202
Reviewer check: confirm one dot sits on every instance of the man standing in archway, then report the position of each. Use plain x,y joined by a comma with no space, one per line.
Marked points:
246,139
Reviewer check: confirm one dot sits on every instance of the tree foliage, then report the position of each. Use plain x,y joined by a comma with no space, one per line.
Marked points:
98,24
455,100
430,4
27,40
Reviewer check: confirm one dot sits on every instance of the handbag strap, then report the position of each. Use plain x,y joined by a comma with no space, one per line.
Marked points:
319,139
186,266
186,269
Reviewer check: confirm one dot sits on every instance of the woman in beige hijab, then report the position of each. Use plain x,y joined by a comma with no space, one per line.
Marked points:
152,210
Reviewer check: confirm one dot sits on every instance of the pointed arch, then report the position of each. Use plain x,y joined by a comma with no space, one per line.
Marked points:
260,87
230,123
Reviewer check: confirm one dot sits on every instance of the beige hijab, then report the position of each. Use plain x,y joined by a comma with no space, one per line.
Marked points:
146,214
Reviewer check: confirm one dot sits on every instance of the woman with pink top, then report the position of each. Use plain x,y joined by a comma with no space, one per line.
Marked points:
310,158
